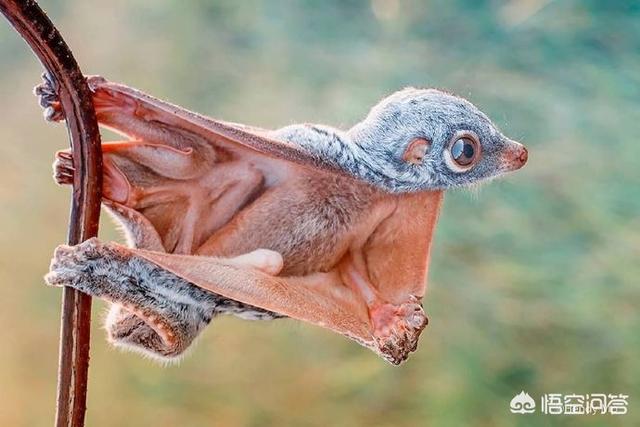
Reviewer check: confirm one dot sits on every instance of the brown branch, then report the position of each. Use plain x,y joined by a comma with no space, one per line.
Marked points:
45,40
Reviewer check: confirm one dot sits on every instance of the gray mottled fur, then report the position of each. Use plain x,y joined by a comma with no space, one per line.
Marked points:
372,150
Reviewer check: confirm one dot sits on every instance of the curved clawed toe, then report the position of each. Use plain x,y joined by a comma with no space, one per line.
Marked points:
397,329
63,169
48,99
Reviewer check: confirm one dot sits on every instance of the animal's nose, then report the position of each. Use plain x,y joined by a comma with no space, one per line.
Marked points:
524,155
515,156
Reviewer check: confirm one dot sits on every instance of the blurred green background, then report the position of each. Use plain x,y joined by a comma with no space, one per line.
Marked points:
534,283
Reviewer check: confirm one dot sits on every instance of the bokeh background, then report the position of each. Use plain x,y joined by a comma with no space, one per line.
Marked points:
534,283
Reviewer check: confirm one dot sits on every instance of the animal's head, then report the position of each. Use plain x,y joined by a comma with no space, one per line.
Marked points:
421,139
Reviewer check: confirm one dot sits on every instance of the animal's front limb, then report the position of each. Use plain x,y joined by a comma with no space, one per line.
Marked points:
396,326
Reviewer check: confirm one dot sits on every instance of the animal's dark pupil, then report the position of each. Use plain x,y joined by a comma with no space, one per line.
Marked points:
468,150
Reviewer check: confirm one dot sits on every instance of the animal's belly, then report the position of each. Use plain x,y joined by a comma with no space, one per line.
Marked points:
310,219
310,222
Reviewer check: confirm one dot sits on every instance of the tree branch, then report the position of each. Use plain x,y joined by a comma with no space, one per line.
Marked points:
45,41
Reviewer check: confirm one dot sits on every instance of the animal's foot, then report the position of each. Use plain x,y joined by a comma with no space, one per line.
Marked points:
81,266
63,169
103,99
397,328
48,99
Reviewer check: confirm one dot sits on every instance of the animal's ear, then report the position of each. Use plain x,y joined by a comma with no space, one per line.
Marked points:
416,150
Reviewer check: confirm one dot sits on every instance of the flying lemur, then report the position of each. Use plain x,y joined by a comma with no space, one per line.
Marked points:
327,226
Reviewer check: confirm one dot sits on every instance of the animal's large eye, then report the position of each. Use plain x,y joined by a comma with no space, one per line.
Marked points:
464,152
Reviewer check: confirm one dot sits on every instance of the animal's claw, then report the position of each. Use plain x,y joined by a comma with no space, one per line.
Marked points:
63,168
48,99
397,329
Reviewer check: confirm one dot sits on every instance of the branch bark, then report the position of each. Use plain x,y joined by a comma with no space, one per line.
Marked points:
46,42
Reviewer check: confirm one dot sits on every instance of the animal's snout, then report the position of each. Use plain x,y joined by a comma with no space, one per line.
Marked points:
515,156
524,155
